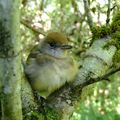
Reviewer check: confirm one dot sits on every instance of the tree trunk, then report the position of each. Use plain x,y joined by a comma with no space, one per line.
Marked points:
10,60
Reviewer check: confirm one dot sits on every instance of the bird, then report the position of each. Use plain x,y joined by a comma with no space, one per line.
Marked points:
49,65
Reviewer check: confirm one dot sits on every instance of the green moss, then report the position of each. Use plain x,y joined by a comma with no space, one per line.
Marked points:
115,26
49,114
100,32
116,17
37,116
116,57
114,31
52,114
115,34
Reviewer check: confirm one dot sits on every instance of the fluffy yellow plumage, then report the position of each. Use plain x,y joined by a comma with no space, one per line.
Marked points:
48,67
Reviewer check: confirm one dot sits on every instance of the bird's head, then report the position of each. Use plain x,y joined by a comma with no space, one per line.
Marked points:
55,44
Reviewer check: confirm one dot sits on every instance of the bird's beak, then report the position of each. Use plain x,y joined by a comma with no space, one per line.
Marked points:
66,46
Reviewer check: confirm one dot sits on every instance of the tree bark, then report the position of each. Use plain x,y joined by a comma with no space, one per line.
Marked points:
96,63
10,60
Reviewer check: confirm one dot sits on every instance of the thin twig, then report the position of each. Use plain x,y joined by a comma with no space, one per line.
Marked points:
104,77
25,23
108,13
89,16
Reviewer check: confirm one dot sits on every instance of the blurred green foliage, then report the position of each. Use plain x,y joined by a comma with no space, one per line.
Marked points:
103,103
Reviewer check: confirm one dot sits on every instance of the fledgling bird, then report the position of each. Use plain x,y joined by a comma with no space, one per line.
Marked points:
49,66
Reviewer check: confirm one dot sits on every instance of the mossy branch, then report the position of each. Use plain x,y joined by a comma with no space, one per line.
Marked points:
103,77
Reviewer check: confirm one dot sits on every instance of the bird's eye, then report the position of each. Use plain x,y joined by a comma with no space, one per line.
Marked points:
52,44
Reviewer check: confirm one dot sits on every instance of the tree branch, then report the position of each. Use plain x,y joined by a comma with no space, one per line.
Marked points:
25,23
104,77
108,13
89,17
